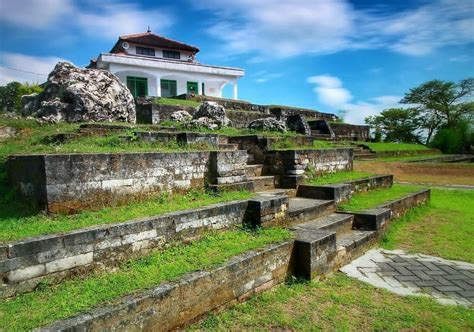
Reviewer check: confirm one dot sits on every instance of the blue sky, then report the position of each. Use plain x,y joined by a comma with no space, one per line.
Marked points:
330,55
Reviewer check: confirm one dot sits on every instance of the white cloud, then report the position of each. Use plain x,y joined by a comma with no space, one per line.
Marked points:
34,69
279,29
34,13
113,20
263,76
106,20
331,92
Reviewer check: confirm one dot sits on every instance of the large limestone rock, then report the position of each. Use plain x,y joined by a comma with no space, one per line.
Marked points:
181,116
210,115
296,122
267,124
73,94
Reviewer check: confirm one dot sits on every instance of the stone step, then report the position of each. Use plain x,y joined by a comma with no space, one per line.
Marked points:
335,222
304,209
263,183
253,170
227,146
354,240
278,192
361,156
237,186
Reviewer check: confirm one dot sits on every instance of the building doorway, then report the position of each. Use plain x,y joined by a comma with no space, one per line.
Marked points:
138,86
192,88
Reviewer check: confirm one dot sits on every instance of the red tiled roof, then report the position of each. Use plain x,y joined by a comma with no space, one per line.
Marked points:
150,39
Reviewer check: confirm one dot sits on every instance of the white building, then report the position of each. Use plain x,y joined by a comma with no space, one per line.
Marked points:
152,65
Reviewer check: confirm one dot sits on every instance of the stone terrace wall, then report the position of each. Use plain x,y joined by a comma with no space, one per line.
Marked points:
24,263
350,131
290,165
69,182
295,162
171,305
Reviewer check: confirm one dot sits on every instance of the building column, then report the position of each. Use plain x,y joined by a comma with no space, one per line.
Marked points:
199,88
158,86
235,90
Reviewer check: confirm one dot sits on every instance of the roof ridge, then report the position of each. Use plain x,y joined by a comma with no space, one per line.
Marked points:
165,39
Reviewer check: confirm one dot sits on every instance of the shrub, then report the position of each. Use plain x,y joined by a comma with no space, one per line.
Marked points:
10,95
456,139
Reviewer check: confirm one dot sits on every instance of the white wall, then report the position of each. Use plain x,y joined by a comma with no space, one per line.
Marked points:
213,83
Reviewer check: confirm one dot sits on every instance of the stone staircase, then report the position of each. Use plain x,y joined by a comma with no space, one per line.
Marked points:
316,133
362,153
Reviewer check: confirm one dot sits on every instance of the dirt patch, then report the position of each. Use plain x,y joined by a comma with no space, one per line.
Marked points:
439,173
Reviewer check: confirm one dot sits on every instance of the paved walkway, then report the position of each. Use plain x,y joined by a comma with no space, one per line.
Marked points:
449,282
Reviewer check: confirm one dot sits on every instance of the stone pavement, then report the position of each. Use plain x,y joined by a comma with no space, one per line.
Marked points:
449,282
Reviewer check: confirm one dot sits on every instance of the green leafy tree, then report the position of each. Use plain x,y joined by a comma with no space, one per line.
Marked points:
441,103
396,124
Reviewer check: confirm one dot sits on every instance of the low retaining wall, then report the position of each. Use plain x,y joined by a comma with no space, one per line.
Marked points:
211,140
399,206
345,131
70,182
446,159
378,219
24,263
401,153
340,192
290,165
172,305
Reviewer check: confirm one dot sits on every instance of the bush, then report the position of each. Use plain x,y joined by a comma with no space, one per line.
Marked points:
457,139
10,95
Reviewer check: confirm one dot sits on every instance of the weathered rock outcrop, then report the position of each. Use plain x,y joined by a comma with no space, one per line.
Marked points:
7,132
210,115
297,122
74,94
267,124
181,116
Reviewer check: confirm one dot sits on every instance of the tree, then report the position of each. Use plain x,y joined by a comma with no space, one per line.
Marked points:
10,95
397,124
441,103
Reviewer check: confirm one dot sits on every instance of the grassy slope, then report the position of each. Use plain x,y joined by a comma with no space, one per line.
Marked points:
373,198
338,303
31,139
20,220
444,228
381,146
339,177
176,102
71,297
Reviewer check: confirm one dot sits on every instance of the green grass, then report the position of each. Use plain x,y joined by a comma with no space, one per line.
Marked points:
382,146
338,303
176,102
34,138
371,199
30,310
18,219
228,131
444,227
339,177
287,143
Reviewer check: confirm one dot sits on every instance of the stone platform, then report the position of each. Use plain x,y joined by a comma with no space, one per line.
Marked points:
447,281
